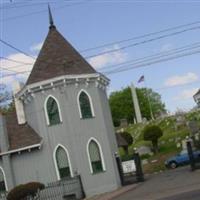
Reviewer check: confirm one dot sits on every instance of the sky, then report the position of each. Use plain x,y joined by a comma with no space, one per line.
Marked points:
91,23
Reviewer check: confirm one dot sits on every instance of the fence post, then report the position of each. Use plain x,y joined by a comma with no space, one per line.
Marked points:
120,169
190,154
82,188
139,171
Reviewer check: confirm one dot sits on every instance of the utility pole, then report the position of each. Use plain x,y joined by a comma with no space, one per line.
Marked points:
136,104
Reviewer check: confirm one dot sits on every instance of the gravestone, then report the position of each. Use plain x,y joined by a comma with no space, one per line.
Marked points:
144,150
123,123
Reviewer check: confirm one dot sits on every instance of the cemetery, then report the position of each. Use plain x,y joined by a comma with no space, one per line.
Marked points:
175,131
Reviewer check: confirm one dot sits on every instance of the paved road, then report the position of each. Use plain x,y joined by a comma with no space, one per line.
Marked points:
192,195
179,184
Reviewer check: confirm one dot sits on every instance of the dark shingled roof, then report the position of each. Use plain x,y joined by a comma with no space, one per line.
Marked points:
20,136
56,58
198,92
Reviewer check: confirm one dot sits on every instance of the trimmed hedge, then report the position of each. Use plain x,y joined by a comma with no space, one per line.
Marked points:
21,192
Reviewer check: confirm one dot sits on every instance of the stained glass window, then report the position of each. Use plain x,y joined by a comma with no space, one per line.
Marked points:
95,157
53,111
62,163
85,106
2,182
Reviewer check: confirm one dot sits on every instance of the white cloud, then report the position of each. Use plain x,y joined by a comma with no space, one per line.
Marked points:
36,47
186,94
183,79
108,59
10,71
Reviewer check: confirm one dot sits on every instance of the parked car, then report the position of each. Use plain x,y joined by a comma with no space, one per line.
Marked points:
181,159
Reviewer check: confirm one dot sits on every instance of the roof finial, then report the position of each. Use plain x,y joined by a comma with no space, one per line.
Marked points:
50,18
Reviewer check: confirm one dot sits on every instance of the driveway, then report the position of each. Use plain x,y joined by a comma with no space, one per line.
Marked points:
175,184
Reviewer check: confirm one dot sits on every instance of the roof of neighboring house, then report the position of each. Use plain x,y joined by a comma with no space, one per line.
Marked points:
56,58
198,92
121,141
20,136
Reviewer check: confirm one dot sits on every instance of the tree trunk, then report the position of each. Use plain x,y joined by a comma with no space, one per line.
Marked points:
155,146
125,149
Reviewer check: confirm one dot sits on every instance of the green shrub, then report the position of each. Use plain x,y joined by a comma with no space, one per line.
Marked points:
23,191
153,133
145,156
126,157
128,137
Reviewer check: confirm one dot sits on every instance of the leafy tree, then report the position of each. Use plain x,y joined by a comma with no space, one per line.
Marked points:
153,133
129,139
25,191
121,104
5,95
6,103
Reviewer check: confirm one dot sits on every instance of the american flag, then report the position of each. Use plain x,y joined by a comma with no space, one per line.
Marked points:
141,79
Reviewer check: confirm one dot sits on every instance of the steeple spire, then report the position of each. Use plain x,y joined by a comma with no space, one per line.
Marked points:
50,18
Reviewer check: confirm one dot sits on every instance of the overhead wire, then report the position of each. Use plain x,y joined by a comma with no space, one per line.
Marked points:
16,6
146,62
124,47
17,49
142,42
141,36
114,50
130,67
15,61
154,56
41,11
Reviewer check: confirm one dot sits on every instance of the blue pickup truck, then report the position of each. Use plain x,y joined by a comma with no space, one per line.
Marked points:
181,159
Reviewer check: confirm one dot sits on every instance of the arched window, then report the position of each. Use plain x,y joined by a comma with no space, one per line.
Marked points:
52,109
63,165
95,156
3,186
85,105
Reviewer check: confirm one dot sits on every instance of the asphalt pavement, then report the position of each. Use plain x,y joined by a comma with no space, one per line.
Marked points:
192,195
178,184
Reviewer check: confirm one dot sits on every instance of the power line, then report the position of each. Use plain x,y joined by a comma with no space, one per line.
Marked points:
154,56
8,69
140,64
114,50
16,73
25,5
150,63
15,48
41,11
143,42
138,43
141,36
15,61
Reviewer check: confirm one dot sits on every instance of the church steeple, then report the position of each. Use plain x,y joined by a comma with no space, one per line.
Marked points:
58,57
51,23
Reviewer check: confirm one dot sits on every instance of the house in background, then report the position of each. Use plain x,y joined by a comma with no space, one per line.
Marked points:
62,125
197,98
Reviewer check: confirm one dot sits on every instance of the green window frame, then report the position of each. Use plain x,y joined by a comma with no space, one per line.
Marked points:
53,112
95,157
62,161
85,106
2,182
